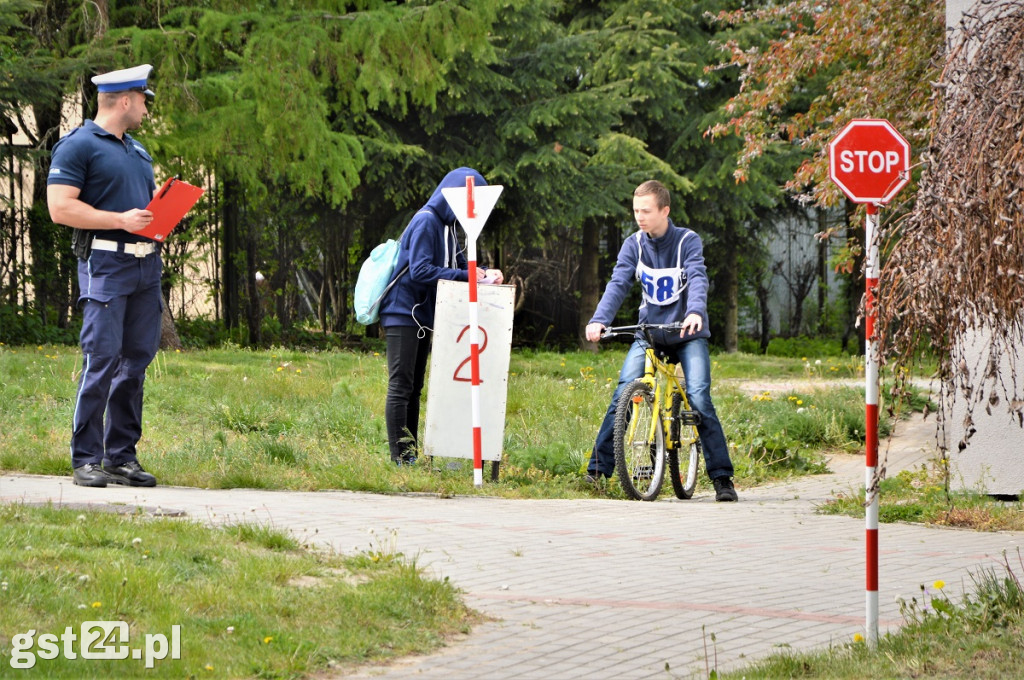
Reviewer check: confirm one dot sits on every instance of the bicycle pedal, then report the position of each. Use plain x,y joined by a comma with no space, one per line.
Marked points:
689,418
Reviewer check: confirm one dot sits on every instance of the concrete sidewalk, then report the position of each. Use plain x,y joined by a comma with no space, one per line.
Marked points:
613,589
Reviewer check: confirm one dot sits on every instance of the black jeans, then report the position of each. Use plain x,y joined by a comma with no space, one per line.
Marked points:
407,364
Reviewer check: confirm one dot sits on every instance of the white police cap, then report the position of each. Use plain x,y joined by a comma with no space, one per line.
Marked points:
126,79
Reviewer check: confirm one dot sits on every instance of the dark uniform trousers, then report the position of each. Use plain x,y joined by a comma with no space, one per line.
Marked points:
121,306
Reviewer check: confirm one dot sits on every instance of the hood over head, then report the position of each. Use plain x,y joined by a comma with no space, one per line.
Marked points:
455,178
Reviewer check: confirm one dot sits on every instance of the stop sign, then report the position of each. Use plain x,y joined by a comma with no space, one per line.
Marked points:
869,160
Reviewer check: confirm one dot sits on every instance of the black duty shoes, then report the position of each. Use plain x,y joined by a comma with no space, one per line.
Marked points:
130,474
724,490
90,474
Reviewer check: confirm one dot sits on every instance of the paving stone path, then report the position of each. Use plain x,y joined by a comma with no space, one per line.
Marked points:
614,589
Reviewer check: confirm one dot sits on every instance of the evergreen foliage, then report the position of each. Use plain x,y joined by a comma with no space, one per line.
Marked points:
321,126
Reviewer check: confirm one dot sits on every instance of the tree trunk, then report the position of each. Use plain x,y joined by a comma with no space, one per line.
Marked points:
822,274
253,311
168,331
52,262
590,283
855,282
732,294
763,293
229,279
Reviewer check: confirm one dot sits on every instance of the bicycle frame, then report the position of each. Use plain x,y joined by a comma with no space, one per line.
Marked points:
663,378
650,415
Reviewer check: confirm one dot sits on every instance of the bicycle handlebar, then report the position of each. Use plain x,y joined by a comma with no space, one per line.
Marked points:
645,328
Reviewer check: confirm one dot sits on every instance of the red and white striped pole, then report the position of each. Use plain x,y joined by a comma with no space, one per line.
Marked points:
474,343
471,208
871,270
870,161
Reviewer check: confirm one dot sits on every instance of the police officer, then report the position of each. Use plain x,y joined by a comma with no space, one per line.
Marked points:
100,182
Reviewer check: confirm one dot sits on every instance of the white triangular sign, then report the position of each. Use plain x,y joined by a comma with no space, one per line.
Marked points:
484,199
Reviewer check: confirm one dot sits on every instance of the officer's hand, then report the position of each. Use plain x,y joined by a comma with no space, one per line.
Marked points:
594,331
135,219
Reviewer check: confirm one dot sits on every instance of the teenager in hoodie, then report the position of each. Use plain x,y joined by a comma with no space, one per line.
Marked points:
669,262
430,247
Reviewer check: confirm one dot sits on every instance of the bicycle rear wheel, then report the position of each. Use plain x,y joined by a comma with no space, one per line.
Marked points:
639,459
684,477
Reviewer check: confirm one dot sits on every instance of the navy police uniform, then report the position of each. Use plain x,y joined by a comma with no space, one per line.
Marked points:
120,298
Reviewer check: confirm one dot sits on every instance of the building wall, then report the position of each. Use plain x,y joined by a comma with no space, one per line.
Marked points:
993,461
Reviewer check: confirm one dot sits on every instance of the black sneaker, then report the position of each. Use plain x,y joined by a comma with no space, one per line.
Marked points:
594,478
90,474
129,474
724,490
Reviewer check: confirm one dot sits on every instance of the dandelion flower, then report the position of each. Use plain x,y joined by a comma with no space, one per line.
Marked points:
230,629
267,640
939,585
97,605
208,667
136,541
857,637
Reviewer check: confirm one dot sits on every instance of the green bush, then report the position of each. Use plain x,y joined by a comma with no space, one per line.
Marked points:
801,347
27,328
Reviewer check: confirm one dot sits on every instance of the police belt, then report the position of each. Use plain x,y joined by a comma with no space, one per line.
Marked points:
137,249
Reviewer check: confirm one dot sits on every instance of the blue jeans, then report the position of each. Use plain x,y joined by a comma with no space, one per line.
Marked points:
693,355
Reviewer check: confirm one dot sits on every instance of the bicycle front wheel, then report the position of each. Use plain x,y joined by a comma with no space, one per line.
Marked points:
639,447
684,477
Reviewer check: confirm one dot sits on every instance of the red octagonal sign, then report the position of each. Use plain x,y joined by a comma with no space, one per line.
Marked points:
869,160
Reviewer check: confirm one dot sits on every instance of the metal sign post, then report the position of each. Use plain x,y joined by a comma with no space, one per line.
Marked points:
472,205
870,161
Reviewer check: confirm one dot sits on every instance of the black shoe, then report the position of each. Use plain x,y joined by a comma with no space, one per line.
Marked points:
90,474
594,478
724,490
130,474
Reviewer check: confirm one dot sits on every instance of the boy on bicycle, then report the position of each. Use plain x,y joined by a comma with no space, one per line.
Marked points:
669,263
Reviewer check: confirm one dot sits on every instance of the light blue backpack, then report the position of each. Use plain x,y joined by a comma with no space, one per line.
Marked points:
376,277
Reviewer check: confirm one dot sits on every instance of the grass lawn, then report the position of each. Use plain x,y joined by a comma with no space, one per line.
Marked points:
239,601
225,418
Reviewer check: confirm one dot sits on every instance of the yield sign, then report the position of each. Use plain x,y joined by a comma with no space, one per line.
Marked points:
472,205
869,160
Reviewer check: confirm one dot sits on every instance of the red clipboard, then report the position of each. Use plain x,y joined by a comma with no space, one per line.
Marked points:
172,201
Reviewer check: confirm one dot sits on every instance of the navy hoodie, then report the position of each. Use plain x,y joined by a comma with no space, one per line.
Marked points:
430,247
677,247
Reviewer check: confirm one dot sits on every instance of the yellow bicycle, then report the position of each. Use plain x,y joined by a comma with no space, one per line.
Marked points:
654,424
